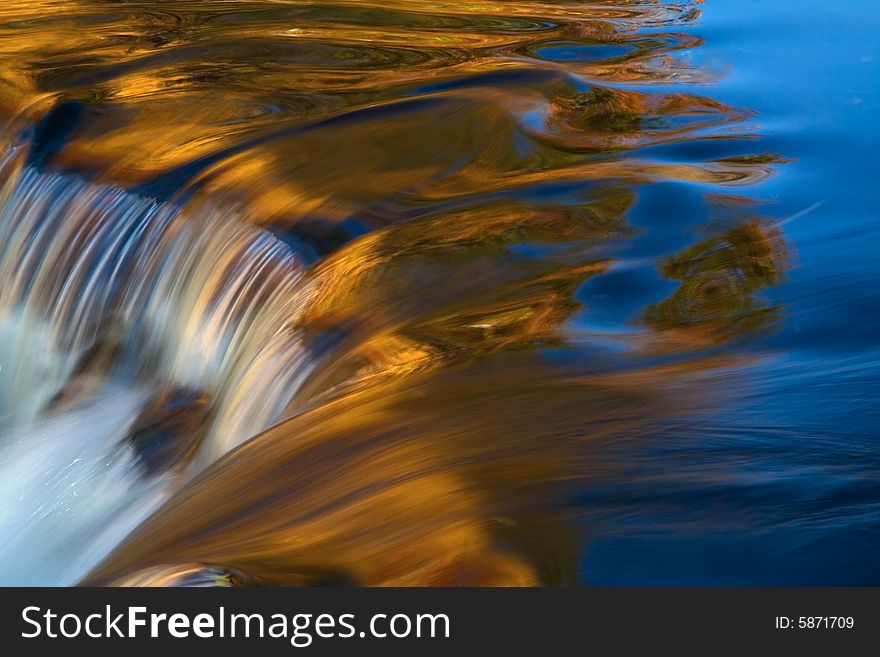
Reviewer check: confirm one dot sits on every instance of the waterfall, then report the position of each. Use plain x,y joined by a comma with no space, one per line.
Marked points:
111,301
70,485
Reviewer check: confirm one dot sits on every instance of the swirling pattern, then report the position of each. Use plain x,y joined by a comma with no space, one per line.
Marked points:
328,262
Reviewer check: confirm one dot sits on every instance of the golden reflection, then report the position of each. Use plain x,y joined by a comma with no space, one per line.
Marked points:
170,84
720,278
439,479
335,251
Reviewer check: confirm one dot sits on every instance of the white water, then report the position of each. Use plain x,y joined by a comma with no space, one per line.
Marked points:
32,371
71,489
194,299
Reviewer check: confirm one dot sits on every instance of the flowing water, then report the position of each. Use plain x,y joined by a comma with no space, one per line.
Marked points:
399,292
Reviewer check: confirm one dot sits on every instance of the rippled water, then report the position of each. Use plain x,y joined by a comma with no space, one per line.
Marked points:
433,293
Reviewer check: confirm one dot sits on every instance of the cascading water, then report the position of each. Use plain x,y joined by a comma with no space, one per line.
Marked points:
73,488
157,328
397,292
111,300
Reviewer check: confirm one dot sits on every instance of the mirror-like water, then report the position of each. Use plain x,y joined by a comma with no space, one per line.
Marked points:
392,292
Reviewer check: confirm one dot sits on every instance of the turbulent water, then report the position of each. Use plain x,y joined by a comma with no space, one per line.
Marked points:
435,293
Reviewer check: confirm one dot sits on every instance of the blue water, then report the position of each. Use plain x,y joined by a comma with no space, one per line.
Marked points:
780,486
610,269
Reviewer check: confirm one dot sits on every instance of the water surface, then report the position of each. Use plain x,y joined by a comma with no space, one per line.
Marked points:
433,293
